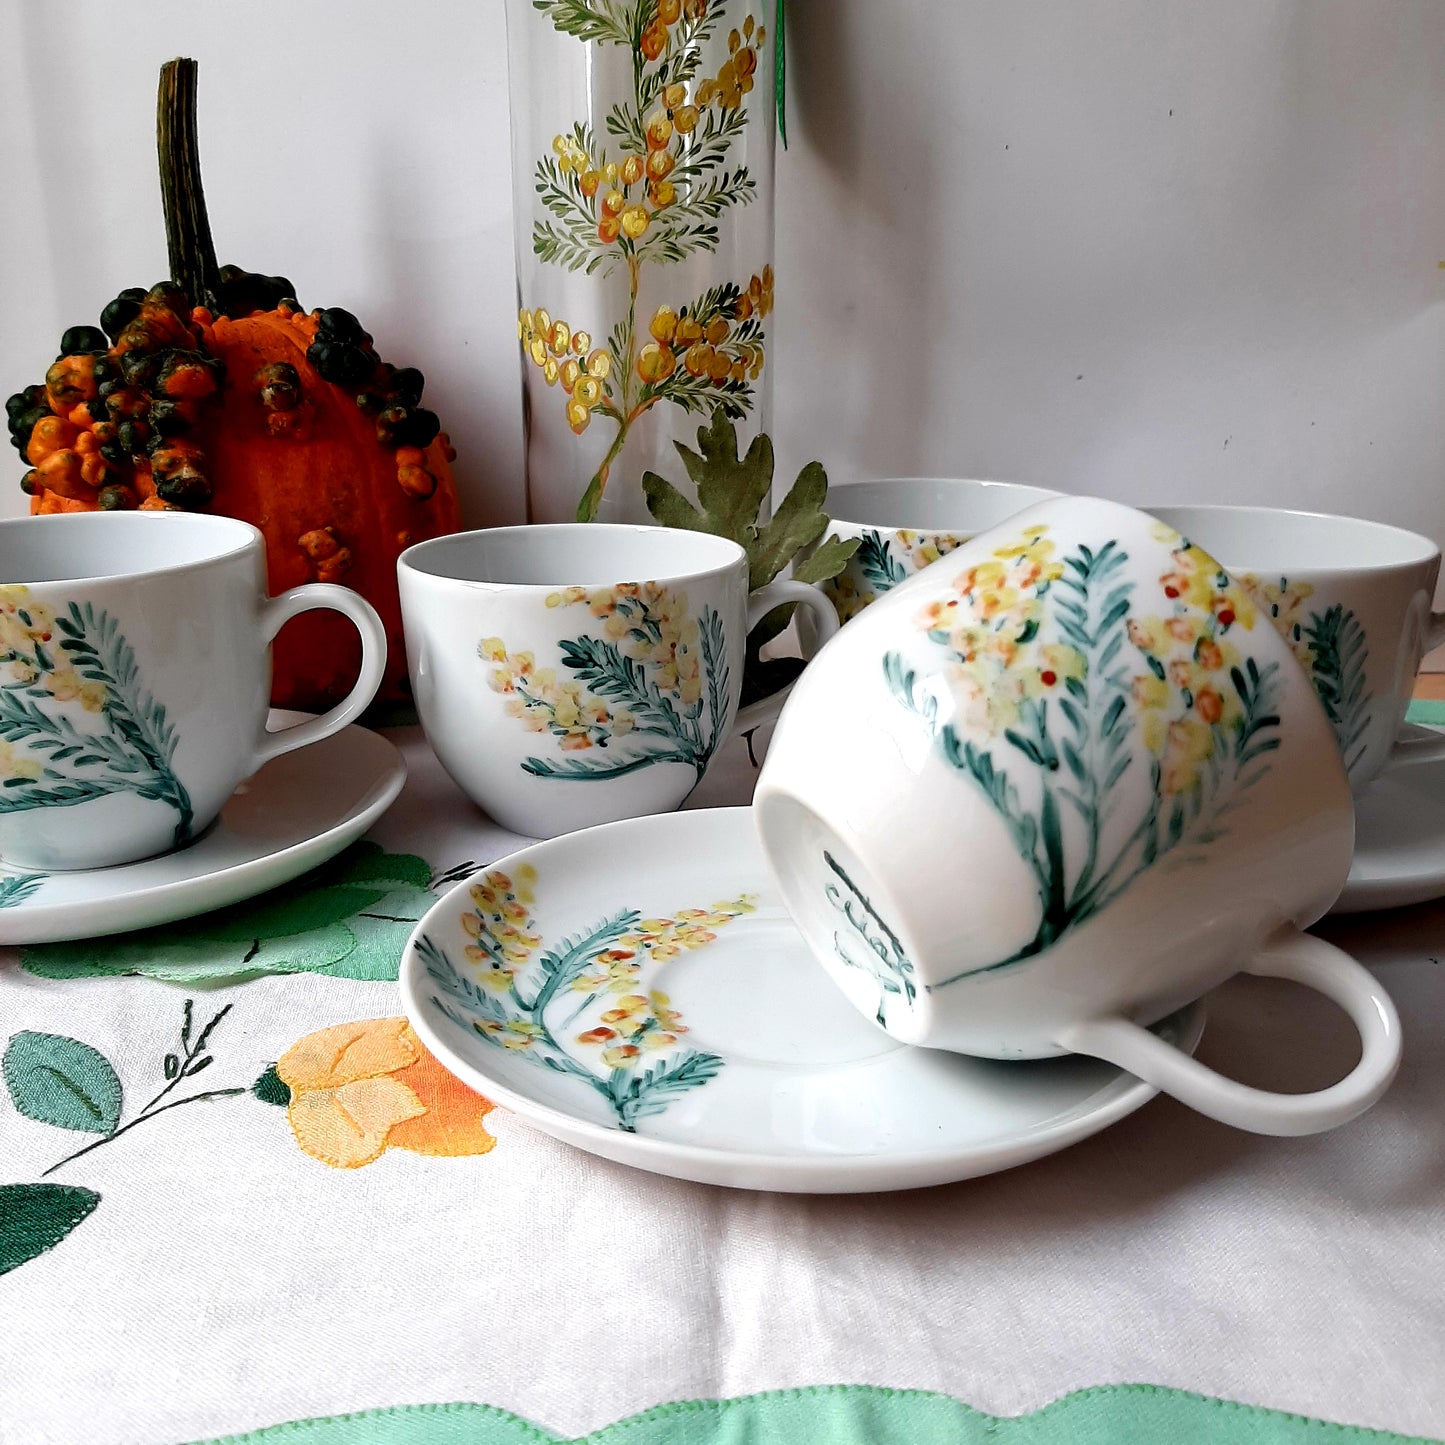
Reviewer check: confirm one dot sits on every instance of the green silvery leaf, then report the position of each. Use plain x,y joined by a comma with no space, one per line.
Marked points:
730,489
827,561
61,1081
731,492
798,522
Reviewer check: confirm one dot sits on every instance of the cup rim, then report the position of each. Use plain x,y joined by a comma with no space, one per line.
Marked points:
731,554
1426,548
838,491
248,537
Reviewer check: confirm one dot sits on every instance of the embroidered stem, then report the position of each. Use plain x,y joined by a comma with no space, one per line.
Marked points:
141,1119
178,1068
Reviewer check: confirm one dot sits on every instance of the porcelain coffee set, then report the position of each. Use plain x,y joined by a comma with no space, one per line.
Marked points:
1018,815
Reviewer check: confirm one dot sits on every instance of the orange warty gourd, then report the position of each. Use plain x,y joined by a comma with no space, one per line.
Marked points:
216,392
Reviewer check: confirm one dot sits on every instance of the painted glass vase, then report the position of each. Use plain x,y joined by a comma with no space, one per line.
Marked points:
642,173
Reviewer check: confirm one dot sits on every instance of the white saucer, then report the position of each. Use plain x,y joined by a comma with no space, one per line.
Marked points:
1399,840
772,1081
297,812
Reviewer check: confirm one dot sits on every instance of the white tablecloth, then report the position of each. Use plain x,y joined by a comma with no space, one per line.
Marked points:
227,1280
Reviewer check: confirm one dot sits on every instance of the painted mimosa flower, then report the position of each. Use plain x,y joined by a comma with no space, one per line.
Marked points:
654,201
646,1023
924,548
615,970
1051,704
544,703
14,764
1189,688
990,624
679,668
358,1089
66,685
73,694
666,938
623,1016
501,925
845,594
1331,646
1283,602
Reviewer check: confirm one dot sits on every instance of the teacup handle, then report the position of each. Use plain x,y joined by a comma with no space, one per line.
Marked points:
759,605
1407,751
1301,958
1434,629
280,610
1421,749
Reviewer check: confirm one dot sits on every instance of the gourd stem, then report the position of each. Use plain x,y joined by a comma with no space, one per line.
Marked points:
191,251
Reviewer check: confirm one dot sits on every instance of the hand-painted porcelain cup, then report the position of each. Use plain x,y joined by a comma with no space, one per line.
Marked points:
1352,598
1058,786
135,676
574,674
904,523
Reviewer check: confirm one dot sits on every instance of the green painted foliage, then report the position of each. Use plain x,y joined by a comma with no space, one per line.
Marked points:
881,569
132,754
18,887
631,1095
669,730
1065,754
1338,656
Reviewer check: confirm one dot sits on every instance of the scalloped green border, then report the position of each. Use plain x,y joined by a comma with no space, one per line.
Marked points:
851,1415
1427,711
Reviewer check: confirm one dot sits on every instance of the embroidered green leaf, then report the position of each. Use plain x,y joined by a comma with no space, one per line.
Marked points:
368,861
349,918
36,1217
289,913
271,1088
61,1081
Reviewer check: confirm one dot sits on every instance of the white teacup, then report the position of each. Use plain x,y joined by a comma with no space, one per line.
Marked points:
904,523
135,676
1352,598
574,674
1041,796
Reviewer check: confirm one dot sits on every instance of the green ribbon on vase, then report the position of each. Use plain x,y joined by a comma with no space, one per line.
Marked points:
780,70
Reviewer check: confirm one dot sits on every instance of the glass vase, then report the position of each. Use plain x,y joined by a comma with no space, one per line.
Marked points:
642,172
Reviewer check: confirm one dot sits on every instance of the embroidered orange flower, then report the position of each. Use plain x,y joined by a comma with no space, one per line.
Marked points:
358,1089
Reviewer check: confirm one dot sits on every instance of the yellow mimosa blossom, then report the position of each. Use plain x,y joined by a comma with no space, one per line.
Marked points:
15,764
925,548
1283,602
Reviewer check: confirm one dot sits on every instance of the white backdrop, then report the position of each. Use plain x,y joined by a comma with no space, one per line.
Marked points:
1156,249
